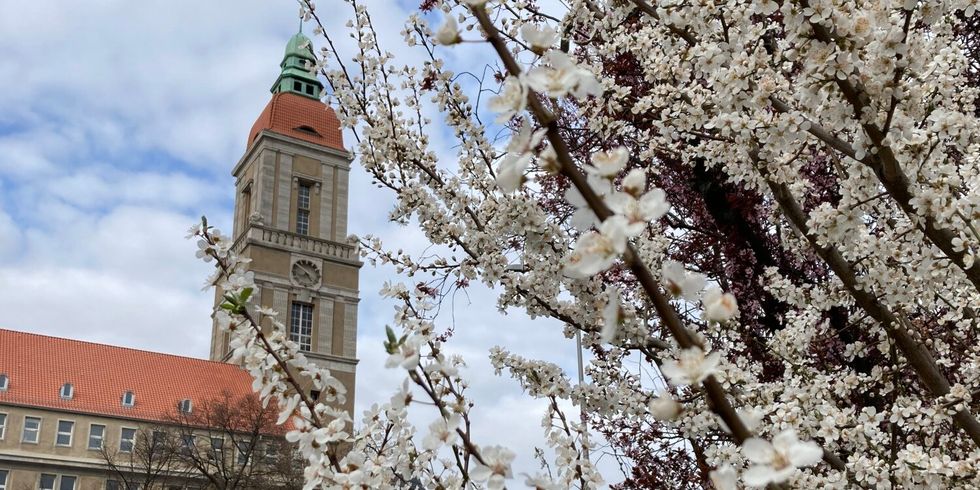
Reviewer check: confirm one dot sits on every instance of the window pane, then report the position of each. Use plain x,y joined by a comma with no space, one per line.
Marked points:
3,479
112,485
65,428
96,435
243,451
31,426
303,197
47,482
303,222
126,440
3,426
301,325
67,483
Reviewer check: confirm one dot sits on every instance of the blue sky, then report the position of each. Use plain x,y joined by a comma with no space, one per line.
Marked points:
119,124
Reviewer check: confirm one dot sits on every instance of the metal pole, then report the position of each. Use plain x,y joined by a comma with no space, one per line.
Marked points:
581,380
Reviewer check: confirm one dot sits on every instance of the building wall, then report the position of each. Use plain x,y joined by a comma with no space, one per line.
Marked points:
273,170
27,461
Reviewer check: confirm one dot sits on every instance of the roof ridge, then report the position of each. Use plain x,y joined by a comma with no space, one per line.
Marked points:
210,361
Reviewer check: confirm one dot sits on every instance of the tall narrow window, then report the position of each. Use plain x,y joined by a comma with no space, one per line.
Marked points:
303,209
127,439
67,391
301,325
65,430
246,205
96,435
128,399
32,427
3,479
3,426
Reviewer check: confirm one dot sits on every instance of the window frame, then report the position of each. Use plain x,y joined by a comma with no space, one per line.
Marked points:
132,399
37,431
132,442
4,417
71,391
248,455
58,433
296,326
4,381
189,404
54,481
188,443
88,444
6,476
304,204
74,482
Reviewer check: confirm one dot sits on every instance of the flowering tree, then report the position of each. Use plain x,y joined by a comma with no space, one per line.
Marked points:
772,205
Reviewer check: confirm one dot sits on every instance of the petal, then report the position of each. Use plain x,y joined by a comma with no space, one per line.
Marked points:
758,450
758,475
805,454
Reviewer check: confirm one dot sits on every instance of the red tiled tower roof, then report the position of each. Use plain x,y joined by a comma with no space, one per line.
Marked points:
300,117
37,366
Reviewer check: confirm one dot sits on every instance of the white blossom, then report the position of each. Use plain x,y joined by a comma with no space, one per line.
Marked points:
776,462
495,469
511,100
691,366
719,306
448,33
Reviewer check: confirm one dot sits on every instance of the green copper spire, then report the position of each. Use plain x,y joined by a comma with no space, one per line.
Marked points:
295,77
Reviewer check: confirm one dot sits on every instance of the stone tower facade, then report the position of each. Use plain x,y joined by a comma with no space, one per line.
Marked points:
291,219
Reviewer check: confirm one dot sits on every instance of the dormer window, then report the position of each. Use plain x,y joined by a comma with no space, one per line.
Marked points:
128,399
4,382
67,391
185,406
307,130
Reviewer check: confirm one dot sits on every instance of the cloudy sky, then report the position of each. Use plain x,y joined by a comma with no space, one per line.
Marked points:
120,122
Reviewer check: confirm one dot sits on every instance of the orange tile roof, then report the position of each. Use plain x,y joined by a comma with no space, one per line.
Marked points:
287,112
37,366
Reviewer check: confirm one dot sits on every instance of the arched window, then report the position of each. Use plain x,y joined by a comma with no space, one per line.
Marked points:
128,399
67,391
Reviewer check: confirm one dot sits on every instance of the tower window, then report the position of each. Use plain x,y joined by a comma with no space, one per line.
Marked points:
303,209
309,89
67,391
301,325
128,399
246,205
297,86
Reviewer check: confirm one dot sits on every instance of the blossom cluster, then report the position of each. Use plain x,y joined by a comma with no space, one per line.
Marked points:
769,207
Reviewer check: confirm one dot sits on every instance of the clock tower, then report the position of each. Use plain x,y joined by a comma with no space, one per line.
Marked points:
291,220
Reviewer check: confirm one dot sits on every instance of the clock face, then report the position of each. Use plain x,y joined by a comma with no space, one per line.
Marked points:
306,273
